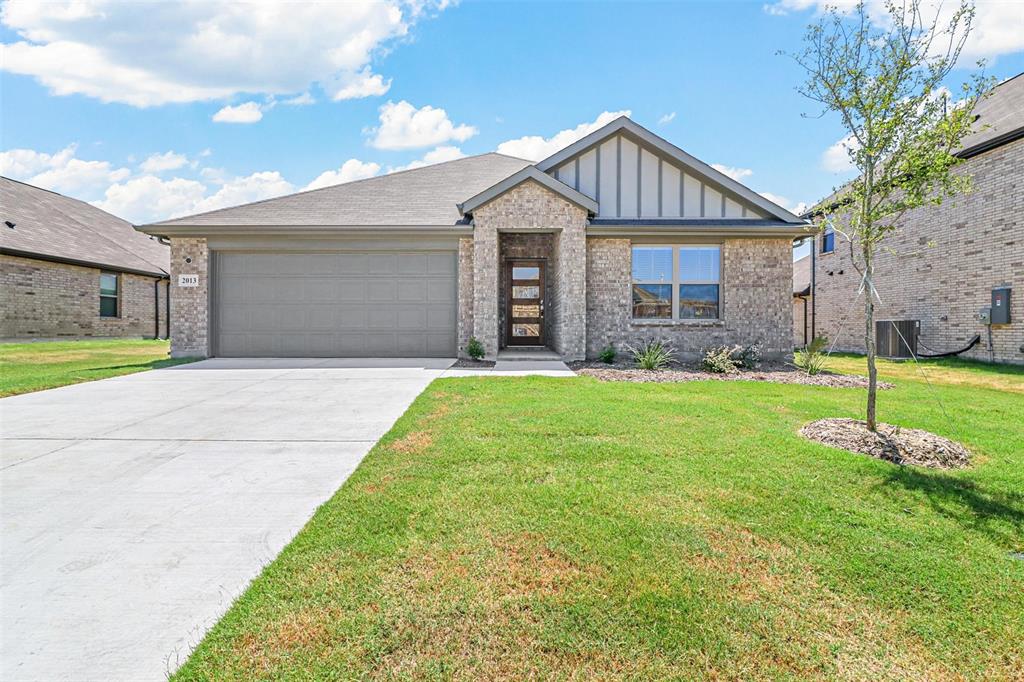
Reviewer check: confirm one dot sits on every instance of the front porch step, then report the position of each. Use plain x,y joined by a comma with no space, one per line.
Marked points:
528,353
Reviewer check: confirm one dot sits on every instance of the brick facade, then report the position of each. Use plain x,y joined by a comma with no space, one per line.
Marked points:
944,263
465,284
531,208
190,305
756,300
47,300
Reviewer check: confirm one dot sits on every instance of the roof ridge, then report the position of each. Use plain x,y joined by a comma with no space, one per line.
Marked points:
320,189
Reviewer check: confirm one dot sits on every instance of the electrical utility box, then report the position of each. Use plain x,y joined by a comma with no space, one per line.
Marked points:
1001,305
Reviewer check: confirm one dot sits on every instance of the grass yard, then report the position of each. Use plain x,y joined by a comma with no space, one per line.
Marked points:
520,528
27,367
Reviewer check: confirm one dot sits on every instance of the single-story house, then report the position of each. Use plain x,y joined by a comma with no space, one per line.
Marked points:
952,273
69,270
618,238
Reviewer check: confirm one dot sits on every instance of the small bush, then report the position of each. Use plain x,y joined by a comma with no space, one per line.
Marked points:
812,358
722,359
607,354
475,349
750,356
653,355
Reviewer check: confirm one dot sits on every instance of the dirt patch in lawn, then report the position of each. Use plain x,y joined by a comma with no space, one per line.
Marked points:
779,374
891,443
412,442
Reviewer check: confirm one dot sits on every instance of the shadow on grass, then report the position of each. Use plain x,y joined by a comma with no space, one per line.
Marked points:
964,501
152,364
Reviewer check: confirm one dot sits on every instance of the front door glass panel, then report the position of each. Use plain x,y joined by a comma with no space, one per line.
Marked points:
524,295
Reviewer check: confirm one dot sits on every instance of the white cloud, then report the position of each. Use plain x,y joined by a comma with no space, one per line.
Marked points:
403,126
794,208
61,171
364,84
836,159
147,54
998,26
300,100
149,198
436,155
666,119
247,112
353,169
733,172
535,147
158,163
262,185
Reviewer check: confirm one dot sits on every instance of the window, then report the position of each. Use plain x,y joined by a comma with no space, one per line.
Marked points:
109,294
676,282
828,239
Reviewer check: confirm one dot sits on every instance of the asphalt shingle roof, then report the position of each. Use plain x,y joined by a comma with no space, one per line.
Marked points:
422,196
50,224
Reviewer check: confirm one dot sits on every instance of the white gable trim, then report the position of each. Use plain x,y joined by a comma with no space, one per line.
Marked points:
690,163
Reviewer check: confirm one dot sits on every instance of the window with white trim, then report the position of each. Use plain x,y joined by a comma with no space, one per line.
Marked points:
676,282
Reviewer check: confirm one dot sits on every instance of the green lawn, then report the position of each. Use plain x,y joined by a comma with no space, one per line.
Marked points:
27,367
522,528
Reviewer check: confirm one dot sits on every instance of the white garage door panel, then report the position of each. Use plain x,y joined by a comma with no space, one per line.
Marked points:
335,304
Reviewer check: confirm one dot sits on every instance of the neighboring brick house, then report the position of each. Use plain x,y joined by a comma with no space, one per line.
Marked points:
802,332
942,264
70,271
618,238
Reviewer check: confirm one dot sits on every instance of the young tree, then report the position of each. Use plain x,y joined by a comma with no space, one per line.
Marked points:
884,76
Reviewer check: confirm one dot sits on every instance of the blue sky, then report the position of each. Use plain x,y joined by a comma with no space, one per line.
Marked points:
116,104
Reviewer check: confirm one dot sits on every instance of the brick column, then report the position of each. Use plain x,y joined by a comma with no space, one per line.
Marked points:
190,317
465,321
570,256
485,287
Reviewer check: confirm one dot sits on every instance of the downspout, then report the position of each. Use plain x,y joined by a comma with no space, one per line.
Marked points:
156,309
814,288
167,303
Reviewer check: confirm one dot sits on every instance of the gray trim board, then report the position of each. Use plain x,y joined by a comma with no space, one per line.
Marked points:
618,176
516,179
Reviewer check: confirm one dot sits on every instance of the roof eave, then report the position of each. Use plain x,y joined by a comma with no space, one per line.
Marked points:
52,258
179,231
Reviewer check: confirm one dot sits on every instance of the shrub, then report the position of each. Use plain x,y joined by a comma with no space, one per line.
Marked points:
607,354
475,349
654,354
721,359
812,357
750,356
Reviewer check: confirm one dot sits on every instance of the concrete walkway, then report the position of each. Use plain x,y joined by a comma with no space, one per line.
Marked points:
135,509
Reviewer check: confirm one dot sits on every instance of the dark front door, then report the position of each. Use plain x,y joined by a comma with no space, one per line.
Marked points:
524,292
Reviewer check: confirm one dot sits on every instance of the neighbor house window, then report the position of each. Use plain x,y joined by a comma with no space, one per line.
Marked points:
828,239
676,282
109,304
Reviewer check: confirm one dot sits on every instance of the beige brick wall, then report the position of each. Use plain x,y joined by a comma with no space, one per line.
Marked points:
189,305
46,300
944,263
526,208
465,284
801,321
756,300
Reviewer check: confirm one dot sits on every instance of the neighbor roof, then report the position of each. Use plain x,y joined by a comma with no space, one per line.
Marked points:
425,196
52,226
999,120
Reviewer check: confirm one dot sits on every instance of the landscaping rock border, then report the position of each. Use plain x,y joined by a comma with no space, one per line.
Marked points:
779,374
891,443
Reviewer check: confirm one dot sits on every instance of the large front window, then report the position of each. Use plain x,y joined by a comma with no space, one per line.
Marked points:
678,282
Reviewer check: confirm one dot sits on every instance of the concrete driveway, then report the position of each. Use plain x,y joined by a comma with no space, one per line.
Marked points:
136,509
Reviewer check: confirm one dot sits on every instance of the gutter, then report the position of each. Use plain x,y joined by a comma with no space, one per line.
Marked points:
82,263
166,231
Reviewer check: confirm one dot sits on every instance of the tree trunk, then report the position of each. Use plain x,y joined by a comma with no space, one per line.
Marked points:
869,336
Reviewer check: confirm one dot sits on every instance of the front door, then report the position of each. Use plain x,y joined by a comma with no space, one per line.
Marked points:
524,293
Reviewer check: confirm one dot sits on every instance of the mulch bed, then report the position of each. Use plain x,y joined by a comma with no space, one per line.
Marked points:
779,374
466,363
891,443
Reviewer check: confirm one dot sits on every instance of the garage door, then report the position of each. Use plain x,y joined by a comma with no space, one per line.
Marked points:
339,304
